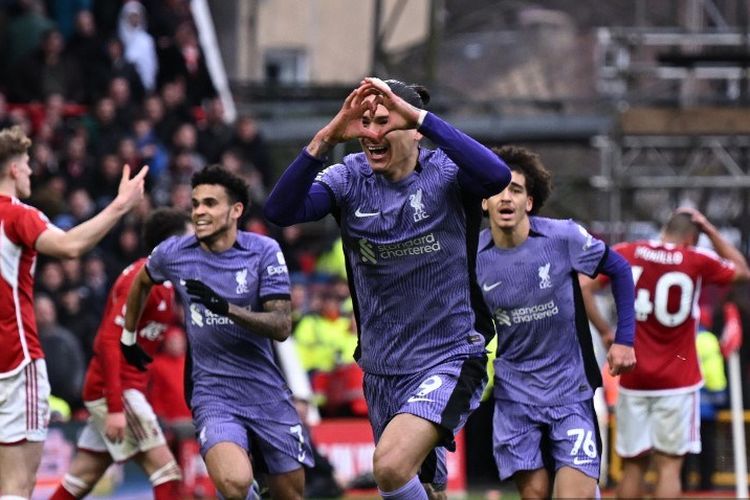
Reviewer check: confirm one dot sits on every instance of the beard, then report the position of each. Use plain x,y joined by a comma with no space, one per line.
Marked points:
220,232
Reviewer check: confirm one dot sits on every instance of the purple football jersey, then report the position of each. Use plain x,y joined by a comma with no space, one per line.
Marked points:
544,350
410,250
229,362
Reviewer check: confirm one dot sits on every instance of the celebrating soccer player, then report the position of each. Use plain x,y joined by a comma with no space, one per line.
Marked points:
24,232
545,429
409,219
657,408
234,286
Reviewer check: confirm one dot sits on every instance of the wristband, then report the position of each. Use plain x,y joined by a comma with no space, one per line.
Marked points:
127,337
422,115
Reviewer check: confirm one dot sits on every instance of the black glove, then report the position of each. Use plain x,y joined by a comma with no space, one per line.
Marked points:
203,294
135,356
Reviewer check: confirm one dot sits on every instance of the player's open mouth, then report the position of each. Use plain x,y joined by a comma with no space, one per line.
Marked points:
506,213
377,152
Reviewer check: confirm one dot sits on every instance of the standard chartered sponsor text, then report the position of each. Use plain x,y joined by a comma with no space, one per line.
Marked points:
533,313
416,246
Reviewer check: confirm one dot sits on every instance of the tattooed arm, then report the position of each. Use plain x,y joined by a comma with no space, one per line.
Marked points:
274,322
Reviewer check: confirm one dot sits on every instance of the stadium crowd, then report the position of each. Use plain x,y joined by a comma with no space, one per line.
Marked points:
97,85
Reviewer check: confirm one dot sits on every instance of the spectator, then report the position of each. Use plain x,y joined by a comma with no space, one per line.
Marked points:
80,208
150,148
183,60
103,130
139,45
119,92
213,133
85,46
76,307
64,356
77,166
250,143
47,70
25,31
112,64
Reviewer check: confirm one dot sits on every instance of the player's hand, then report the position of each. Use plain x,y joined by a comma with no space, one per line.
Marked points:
130,191
698,218
402,116
347,124
114,426
203,294
135,356
621,359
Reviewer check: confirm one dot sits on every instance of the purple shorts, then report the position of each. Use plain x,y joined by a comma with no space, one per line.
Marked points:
445,394
272,433
529,437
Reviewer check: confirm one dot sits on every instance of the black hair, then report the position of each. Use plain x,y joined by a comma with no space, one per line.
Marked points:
414,94
538,178
161,224
235,186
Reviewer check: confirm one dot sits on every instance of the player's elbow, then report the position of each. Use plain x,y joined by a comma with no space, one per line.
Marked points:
742,274
276,215
284,331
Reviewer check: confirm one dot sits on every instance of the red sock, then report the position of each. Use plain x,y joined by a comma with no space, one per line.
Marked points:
167,491
61,494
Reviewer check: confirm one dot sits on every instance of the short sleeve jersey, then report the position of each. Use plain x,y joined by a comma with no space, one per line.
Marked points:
20,226
668,281
410,248
229,362
544,351
108,373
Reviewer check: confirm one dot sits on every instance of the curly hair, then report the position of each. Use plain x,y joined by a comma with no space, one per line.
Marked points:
538,178
163,223
235,186
13,143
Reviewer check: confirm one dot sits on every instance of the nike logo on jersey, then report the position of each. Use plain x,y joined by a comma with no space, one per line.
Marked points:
414,399
359,213
487,287
162,306
579,461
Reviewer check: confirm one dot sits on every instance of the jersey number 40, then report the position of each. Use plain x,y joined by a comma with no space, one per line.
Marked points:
657,305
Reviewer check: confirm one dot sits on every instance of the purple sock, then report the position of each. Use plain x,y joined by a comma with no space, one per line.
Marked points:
413,490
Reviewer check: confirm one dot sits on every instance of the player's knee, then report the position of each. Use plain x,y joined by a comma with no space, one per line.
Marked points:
169,472
233,488
390,471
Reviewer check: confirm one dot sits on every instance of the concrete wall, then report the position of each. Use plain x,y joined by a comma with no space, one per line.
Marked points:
335,36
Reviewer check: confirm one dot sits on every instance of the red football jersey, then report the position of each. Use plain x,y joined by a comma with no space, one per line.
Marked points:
668,282
108,373
20,226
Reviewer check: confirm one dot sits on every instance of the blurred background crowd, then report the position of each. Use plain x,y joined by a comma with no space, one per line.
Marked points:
97,85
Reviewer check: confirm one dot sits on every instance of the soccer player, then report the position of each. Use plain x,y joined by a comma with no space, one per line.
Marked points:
234,286
122,424
657,408
24,232
545,429
409,219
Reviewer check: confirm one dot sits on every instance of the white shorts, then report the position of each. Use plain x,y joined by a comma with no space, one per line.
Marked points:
142,432
24,404
669,424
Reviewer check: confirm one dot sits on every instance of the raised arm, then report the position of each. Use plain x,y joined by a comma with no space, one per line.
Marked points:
722,247
82,238
295,198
